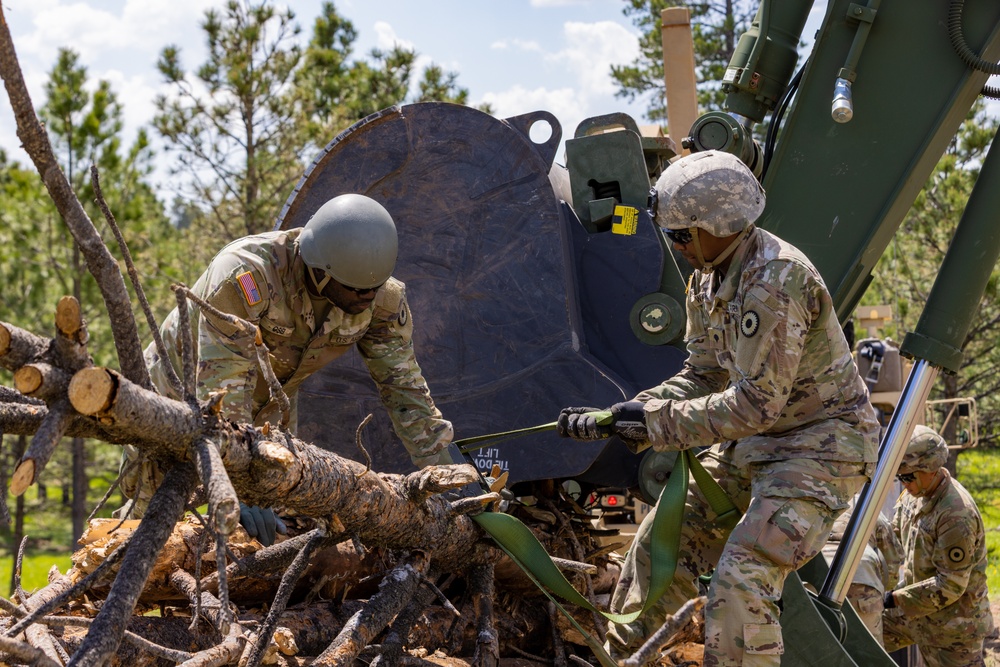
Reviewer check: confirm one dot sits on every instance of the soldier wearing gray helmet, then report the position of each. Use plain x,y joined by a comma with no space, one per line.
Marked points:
315,293
770,388
941,602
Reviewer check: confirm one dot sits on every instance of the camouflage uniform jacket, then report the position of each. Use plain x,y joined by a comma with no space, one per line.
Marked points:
768,370
944,566
262,278
879,566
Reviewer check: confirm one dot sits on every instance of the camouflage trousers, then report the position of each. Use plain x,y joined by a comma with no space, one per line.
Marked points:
868,603
142,476
956,642
789,509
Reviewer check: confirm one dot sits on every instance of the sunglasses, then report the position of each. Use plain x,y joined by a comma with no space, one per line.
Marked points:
678,236
906,477
362,290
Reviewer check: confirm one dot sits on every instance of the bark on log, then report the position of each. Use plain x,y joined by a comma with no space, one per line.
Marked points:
113,400
229,649
19,347
50,432
487,653
41,380
309,481
223,505
381,608
26,418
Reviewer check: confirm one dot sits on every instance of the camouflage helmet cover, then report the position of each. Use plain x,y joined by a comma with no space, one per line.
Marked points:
926,452
710,190
353,239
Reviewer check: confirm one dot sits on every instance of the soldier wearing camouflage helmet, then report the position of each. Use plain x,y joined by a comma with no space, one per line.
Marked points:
315,293
940,603
770,388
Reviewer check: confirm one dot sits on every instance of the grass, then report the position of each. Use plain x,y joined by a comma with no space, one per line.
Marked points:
48,528
979,472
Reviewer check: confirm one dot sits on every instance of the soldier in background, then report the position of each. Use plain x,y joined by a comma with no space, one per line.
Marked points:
940,602
314,292
770,376
877,570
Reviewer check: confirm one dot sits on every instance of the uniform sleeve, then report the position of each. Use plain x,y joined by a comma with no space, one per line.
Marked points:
952,560
888,544
783,301
227,357
387,349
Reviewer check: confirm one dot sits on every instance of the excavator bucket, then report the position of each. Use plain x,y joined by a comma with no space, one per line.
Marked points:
816,635
518,309
521,306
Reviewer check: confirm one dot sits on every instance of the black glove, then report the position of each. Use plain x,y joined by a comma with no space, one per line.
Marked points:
576,423
889,602
261,523
630,420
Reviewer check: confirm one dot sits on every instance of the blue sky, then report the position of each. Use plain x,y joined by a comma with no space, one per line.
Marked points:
518,55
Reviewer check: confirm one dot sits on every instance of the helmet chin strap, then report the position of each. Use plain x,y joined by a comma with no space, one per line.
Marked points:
706,267
318,284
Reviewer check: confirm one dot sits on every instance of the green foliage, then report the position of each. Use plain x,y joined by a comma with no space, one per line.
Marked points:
716,27
233,124
905,273
48,519
979,472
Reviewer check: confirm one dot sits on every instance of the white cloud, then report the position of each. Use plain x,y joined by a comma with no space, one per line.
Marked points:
594,47
387,37
558,3
582,69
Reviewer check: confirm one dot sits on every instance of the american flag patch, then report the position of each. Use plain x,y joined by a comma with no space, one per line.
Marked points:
249,287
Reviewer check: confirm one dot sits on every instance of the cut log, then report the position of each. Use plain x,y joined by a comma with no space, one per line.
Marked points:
69,318
92,390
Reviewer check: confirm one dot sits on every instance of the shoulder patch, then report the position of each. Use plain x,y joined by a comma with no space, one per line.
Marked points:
391,297
249,287
749,323
956,554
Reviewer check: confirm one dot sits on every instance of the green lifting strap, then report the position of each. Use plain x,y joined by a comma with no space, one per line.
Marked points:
524,548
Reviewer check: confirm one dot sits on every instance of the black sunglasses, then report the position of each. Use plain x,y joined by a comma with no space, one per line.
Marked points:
906,477
362,290
678,236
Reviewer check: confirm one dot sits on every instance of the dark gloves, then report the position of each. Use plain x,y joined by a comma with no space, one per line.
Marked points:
261,523
630,420
581,424
889,602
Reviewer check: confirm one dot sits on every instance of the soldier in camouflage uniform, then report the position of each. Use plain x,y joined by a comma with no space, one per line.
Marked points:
876,572
315,293
940,603
771,388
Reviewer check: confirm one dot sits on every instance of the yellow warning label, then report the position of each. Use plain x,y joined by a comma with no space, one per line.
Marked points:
625,220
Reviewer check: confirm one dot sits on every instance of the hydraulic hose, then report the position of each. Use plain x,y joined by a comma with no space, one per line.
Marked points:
968,56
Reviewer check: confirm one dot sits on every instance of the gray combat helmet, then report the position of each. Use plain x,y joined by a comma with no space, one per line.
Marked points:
353,239
710,190
926,452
